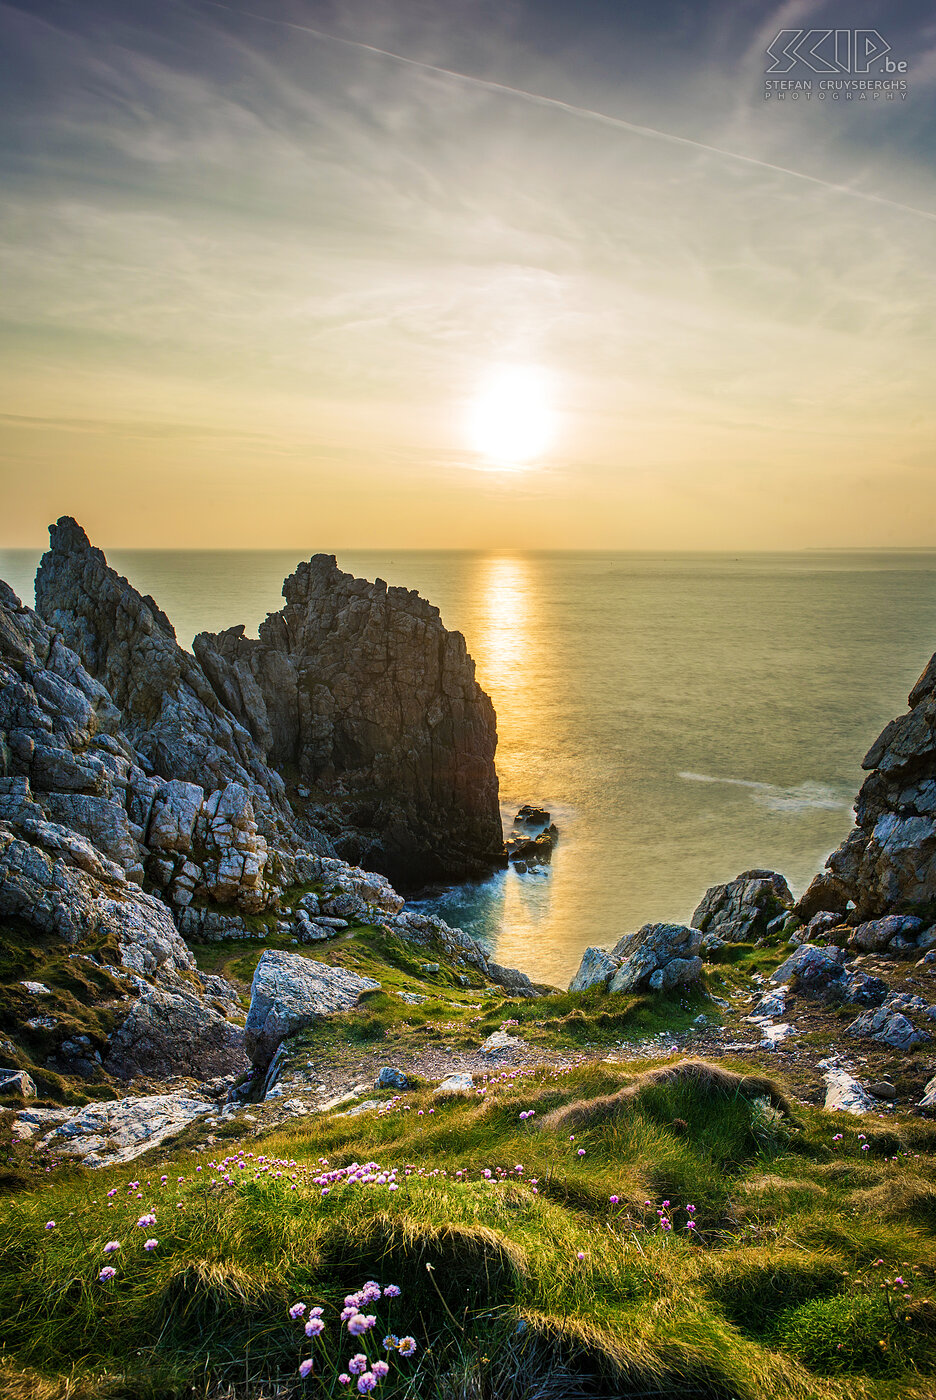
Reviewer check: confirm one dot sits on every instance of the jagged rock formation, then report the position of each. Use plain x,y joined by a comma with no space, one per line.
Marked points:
655,958
359,691
138,775
741,910
887,864
170,712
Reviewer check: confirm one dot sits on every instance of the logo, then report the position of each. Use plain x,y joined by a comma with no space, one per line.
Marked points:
832,51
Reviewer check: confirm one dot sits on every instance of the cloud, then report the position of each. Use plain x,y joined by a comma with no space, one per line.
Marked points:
220,230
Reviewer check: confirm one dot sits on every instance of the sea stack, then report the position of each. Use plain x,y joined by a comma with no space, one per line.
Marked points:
356,712
358,694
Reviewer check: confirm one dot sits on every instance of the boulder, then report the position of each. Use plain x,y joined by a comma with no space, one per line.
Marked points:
456,1084
740,911
500,1044
811,969
825,893
290,992
929,1094
888,1026
103,1134
876,934
390,1078
595,970
657,957
771,1004
844,1094
17,1081
171,1033
862,989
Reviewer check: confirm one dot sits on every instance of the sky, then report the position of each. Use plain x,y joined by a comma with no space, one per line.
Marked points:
523,275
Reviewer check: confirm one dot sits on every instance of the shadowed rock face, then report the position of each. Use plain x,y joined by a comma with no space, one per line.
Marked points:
355,689
888,863
360,691
169,711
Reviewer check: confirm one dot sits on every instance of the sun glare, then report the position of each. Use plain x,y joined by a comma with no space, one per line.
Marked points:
512,421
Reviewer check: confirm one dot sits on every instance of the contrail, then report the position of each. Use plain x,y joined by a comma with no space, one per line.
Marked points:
584,113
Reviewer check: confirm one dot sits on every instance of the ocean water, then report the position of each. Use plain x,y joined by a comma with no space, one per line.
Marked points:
684,717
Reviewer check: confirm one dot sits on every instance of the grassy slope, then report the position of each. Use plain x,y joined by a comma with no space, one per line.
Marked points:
776,1293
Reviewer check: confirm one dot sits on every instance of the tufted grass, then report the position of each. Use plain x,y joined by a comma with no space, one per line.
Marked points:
776,1294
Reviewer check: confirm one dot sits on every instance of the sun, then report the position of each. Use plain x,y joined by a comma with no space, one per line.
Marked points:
511,420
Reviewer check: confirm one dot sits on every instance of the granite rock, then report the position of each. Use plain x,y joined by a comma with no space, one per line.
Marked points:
361,689
172,1033
595,970
104,1134
888,861
740,911
888,1026
810,968
290,992
658,957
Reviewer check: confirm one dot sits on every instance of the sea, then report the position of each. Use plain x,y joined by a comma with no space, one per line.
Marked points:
684,717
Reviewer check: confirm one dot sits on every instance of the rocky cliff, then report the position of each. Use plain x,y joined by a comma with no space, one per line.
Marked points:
887,864
360,693
137,811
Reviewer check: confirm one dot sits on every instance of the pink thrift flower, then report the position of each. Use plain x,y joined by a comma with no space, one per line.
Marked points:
305,1367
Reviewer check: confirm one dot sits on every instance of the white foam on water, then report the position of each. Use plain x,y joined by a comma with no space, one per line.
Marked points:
780,799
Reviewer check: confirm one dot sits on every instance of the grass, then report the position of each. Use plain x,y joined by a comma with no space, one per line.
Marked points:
776,1293
527,1284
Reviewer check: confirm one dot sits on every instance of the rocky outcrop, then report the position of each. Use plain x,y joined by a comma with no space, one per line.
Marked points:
890,1026
361,691
70,771
887,864
656,958
173,1033
104,1134
595,970
290,992
740,911
811,969
170,713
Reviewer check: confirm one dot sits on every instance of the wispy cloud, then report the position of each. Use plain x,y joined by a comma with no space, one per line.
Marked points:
231,229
